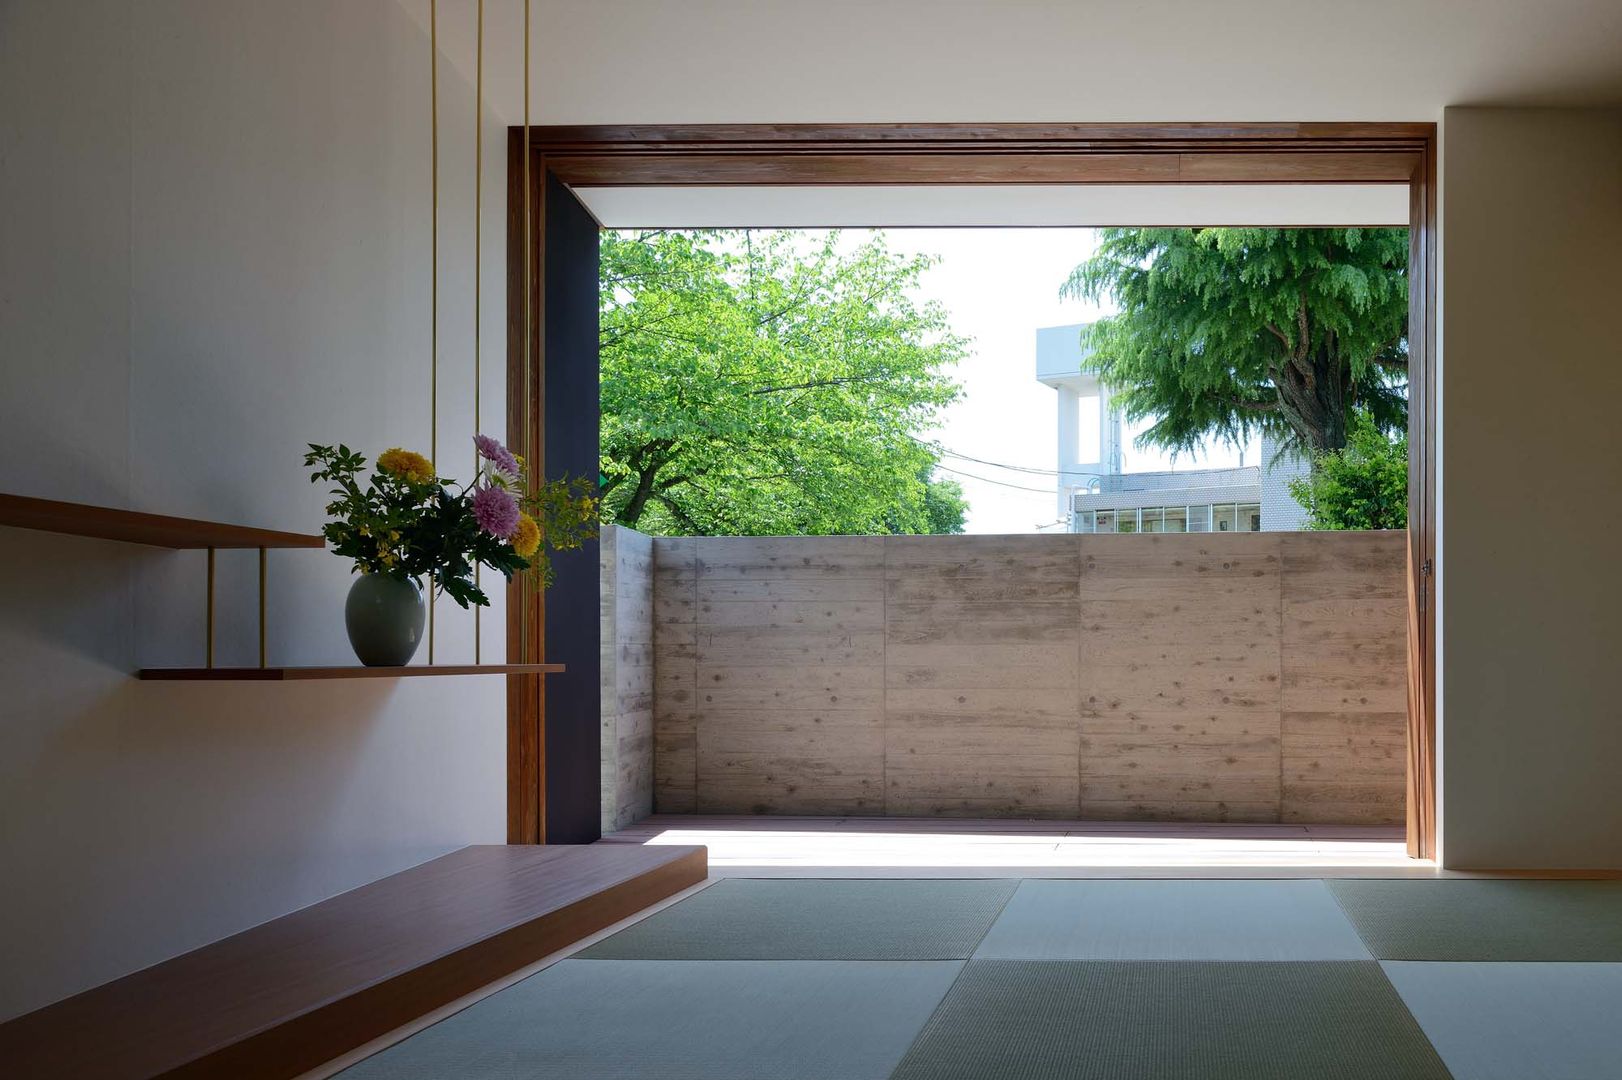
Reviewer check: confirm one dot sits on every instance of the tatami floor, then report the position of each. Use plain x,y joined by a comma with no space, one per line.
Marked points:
984,978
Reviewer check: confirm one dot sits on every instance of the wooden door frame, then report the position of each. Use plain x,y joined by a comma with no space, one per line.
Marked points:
842,154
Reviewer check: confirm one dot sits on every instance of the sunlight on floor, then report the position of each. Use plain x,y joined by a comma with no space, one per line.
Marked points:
756,846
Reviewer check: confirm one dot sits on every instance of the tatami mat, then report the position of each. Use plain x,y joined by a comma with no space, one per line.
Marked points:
1172,920
1518,1021
1112,1020
1486,920
679,1020
816,919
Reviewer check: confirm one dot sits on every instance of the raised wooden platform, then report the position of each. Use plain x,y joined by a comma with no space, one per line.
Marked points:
287,996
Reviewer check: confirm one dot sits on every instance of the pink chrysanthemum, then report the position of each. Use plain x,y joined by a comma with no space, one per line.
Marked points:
496,511
492,451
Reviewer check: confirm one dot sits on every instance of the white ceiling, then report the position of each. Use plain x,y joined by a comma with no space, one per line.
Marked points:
1077,204
806,61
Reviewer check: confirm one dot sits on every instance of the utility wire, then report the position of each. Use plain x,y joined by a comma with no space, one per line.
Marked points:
999,483
995,464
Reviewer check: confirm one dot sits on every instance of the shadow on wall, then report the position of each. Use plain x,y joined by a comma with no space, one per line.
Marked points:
139,820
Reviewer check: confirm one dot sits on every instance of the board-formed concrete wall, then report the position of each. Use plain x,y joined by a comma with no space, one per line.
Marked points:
626,562
1255,677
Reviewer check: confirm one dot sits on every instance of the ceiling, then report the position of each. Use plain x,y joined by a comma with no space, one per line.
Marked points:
793,61
1008,205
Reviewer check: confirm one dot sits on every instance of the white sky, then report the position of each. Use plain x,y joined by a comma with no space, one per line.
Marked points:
998,286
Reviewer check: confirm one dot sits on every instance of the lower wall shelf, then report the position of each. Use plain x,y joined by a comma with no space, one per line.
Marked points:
300,674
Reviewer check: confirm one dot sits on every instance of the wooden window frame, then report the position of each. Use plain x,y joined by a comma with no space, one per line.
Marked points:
955,154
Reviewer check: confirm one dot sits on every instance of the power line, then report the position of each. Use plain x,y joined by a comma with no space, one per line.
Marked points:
939,449
999,483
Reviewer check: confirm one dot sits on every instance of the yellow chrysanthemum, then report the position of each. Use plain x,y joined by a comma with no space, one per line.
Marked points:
527,537
406,464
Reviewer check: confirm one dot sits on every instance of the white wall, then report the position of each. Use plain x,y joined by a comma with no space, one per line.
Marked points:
1530,594
215,223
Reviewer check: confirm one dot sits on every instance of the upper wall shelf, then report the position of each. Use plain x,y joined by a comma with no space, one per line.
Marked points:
302,674
132,527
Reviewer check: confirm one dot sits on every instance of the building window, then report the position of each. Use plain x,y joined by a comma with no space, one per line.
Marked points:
1225,517
1126,521
1250,517
1105,522
1086,521
1199,519
1154,518
1176,519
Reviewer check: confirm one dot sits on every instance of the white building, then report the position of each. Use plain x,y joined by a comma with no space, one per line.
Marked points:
1095,494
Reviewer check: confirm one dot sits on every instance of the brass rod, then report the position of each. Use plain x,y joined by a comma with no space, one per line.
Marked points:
262,577
208,622
478,221
433,257
524,585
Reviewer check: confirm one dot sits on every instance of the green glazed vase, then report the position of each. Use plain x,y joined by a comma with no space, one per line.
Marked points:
384,617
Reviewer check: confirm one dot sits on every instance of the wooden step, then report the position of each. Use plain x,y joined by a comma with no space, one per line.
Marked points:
287,996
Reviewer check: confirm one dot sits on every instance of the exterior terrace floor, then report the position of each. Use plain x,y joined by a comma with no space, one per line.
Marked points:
953,847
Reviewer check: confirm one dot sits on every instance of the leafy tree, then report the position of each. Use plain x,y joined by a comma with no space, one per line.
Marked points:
1234,332
1363,485
945,508
755,383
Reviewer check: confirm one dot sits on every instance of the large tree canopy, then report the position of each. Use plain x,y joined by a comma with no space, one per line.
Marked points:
1232,332
760,383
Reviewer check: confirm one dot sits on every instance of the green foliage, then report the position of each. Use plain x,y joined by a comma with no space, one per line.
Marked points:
754,383
945,508
1361,486
565,512
1232,332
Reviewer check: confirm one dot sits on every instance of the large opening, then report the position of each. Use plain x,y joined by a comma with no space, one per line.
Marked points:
837,674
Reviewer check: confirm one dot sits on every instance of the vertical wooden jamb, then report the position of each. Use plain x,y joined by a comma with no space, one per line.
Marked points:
1421,801
525,433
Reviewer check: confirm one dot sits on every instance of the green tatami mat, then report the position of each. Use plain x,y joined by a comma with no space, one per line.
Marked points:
1171,1020
679,1020
815,919
1485,920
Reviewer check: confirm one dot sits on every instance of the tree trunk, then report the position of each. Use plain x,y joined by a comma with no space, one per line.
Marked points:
1314,393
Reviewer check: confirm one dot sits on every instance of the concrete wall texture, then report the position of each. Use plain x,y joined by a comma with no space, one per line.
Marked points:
1252,677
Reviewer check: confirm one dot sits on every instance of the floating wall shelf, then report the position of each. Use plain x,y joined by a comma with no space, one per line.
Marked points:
158,530
133,527
302,674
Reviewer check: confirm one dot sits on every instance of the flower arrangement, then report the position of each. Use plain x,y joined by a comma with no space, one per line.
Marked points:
407,523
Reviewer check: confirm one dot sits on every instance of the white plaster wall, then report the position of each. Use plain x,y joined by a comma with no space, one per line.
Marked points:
215,249
1529,591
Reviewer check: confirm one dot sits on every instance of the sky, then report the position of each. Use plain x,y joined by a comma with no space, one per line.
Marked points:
998,286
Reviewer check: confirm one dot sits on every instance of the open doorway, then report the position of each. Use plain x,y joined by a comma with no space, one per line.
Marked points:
601,180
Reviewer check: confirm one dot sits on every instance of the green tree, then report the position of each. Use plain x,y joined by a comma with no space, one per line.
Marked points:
759,383
1363,485
1234,332
945,510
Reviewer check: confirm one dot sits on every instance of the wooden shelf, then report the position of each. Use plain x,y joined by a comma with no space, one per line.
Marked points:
132,527
300,674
